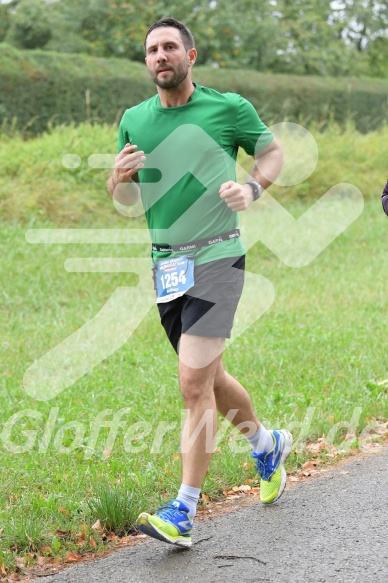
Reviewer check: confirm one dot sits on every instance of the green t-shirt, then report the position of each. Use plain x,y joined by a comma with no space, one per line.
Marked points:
190,151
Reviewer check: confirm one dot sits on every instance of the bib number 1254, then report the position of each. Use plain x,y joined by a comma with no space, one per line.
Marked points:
173,277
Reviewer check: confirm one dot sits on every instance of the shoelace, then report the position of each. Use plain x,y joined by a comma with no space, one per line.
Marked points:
261,469
168,511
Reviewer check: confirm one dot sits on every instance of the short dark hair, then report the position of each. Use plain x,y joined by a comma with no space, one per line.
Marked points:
186,34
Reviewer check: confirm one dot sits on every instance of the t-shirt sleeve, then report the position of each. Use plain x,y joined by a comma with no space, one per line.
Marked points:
250,132
123,137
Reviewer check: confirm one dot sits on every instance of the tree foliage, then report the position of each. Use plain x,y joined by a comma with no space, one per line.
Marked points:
314,37
29,24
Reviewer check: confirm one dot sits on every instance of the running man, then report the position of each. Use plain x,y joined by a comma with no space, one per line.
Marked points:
177,151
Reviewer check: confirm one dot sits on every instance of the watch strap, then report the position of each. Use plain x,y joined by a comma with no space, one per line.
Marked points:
257,189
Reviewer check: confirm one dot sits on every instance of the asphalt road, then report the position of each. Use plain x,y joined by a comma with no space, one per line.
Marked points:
333,528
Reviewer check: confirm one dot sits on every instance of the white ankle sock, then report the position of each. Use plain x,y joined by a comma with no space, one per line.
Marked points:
261,441
189,496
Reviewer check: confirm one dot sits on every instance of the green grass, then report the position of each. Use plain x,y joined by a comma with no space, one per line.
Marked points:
319,351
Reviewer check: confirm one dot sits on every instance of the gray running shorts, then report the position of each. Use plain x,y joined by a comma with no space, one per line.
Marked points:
208,308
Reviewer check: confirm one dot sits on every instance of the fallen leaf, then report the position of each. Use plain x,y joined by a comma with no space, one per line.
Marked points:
59,532
205,498
97,525
311,465
244,488
72,557
3,571
46,549
92,542
254,491
64,511
112,537
319,445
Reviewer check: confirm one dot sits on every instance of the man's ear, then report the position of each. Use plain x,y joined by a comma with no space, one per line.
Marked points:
192,55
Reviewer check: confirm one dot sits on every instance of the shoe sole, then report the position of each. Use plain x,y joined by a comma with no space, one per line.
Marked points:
146,527
286,452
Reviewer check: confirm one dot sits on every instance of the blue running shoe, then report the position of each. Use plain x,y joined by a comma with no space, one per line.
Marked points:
270,466
170,524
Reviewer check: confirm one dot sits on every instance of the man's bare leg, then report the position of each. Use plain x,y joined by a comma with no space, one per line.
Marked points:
196,378
231,395
206,387
271,449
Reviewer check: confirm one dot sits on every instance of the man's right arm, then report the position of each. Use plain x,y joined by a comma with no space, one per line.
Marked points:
123,182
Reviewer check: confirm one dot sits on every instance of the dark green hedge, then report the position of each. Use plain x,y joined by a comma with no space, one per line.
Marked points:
40,87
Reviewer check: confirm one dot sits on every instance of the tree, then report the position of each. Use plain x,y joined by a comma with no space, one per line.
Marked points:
30,26
361,21
225,30
5,17
309,42
363,26
314,37
66,17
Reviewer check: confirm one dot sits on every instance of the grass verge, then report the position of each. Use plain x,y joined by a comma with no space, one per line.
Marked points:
108,446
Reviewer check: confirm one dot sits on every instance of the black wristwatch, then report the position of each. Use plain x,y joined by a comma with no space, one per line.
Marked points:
257,189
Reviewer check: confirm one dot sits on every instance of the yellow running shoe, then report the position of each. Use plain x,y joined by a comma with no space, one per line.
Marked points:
270,466
170,524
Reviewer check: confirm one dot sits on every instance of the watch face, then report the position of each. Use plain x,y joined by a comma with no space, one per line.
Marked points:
256,190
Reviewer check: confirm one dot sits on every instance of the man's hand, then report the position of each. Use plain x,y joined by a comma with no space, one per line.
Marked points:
127,163
237,196
120,184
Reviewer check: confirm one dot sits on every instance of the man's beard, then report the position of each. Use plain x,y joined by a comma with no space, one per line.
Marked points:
177,78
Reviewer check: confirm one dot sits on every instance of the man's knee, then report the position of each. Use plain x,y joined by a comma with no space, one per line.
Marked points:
193,387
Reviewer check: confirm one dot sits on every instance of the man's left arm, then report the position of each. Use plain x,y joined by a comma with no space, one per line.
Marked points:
267,166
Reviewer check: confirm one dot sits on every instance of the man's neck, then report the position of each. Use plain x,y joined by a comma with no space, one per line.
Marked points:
177,96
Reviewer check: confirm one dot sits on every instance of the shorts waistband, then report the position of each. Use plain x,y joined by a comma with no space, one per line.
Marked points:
193,245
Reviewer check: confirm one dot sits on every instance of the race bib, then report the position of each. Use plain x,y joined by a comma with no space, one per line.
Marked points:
173,277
